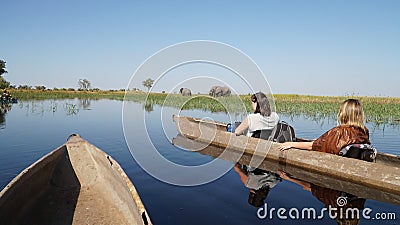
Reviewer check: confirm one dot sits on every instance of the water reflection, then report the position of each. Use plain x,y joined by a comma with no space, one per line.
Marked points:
345,199
69,107
41,108
4,108
344,208
258,181
148,107
84,103
347,206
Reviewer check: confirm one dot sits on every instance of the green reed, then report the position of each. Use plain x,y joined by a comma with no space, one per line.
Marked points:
202,102
60,94
378,110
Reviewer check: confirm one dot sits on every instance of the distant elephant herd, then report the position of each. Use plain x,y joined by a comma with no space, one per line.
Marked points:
215,91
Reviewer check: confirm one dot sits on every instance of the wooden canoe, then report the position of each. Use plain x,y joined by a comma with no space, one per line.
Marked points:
384,174
75,184
295,172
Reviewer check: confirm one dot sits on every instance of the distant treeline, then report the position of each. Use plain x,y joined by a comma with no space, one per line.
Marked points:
44,88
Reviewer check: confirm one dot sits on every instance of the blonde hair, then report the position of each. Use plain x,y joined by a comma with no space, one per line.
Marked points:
351,113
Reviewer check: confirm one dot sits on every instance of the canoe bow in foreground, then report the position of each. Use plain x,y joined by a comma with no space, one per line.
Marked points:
74,184
384,174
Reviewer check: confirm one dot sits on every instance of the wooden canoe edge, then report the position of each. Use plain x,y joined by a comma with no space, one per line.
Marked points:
365,173
133,192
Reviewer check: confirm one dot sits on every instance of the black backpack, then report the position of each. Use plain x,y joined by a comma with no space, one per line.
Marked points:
364,152
283,132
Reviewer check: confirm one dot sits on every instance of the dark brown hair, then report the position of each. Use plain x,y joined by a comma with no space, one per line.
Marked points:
263,106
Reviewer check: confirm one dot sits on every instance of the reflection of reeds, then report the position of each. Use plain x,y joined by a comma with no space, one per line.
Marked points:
71,109
40,108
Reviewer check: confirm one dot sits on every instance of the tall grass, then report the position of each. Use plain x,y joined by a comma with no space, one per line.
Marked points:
51,94
377,110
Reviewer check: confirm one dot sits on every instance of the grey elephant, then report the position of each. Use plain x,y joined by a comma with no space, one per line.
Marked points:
185,92
218,91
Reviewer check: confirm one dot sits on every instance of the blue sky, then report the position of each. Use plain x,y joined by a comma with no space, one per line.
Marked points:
303,47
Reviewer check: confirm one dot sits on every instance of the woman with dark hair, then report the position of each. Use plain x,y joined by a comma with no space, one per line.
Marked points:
262,117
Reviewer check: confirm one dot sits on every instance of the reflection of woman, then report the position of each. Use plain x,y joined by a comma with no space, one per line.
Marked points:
261,119
350,131
329,198
258,181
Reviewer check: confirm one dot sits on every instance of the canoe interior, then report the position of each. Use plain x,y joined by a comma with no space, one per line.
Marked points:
75,184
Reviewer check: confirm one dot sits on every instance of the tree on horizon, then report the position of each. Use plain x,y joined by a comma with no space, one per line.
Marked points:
2,67
84,84
148,83
3,82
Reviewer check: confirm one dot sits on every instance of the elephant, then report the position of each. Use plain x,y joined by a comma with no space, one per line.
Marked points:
218,91
185,92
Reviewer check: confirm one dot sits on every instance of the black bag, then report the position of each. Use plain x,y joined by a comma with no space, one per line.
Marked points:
263,134
364,152
283,132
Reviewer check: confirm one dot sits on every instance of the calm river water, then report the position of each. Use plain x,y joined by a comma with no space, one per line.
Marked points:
31,129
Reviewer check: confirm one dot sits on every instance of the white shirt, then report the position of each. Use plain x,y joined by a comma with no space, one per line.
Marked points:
259,122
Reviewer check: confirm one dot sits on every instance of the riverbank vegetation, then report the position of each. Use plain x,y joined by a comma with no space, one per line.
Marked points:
22,94
377,109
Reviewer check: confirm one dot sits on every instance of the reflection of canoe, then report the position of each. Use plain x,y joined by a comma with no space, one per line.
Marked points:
295,172
74,184
384,174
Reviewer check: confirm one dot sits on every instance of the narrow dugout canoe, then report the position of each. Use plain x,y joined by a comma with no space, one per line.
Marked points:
384,174
295,172
74,184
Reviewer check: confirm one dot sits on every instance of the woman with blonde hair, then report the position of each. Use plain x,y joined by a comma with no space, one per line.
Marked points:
351,130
